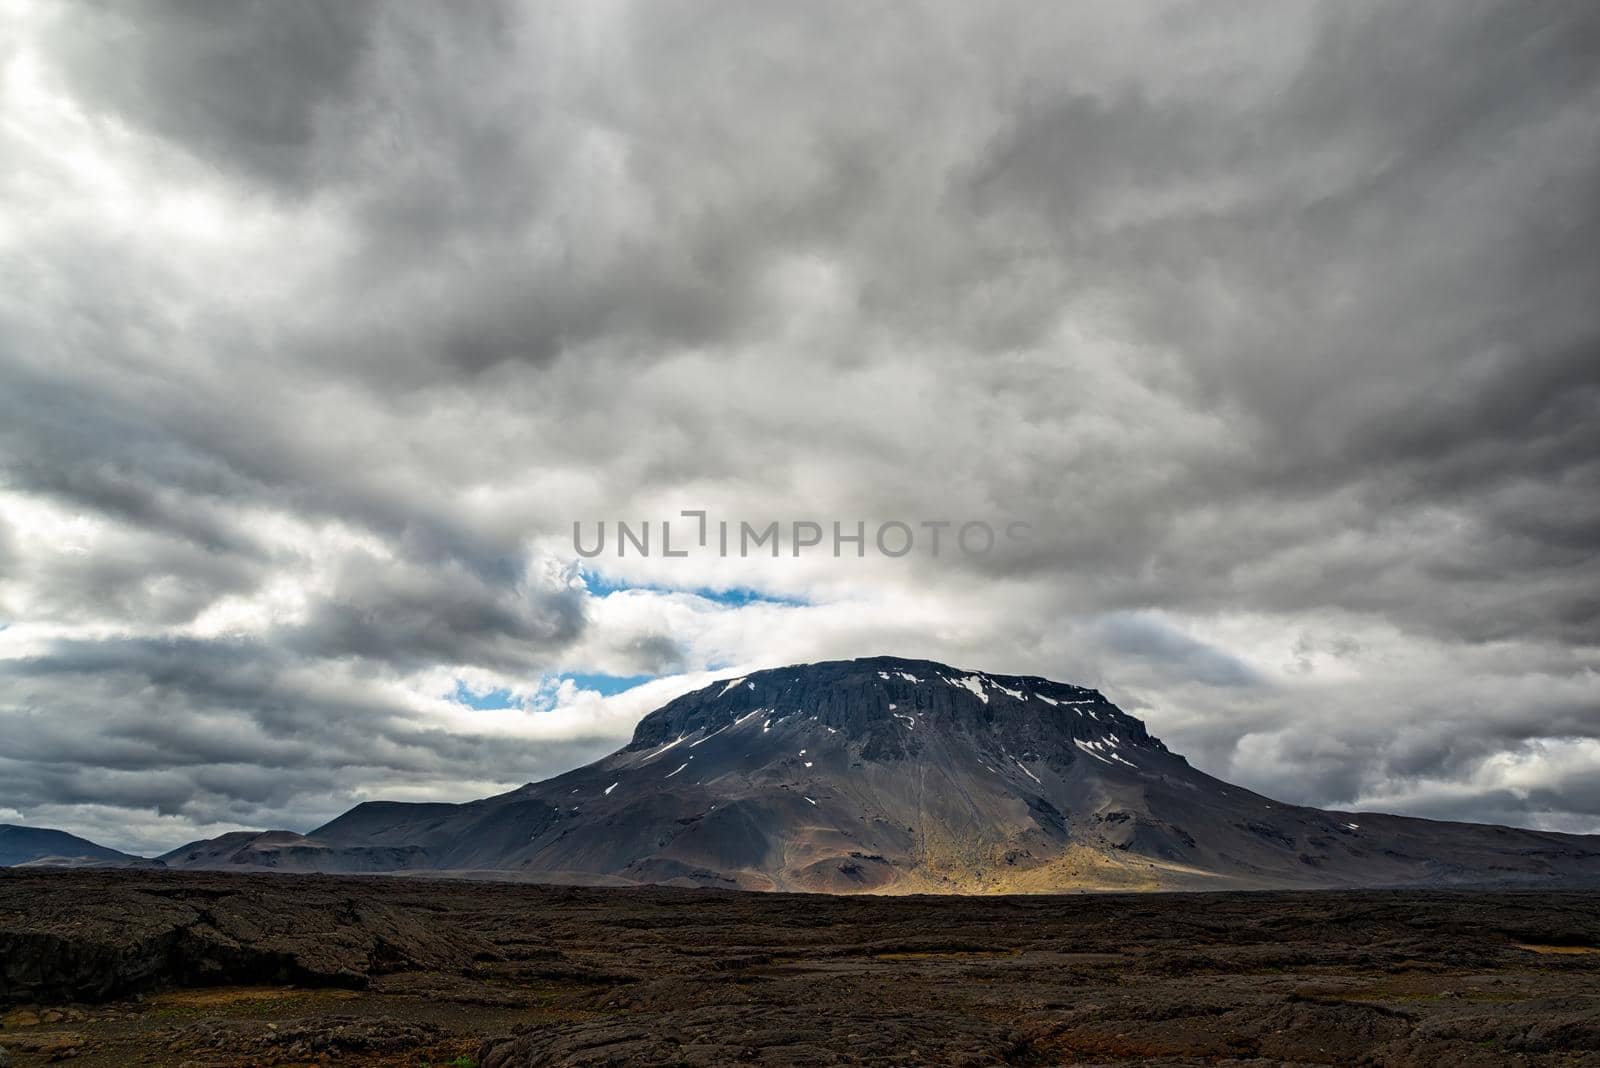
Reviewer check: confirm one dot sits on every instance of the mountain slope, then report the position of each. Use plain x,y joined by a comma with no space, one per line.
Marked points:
44,847
894,775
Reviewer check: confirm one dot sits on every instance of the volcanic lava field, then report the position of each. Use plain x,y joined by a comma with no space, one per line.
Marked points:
159,967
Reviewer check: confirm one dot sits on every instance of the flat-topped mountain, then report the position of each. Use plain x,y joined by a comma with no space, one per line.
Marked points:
894,775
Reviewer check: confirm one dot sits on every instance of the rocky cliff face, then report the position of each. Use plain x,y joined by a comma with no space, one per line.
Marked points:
894,775
879,703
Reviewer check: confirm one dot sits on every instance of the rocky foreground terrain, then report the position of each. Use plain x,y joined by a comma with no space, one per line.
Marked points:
184,968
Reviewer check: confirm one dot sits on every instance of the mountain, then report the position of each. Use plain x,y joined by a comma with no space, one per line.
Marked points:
43,847
290,852
900,776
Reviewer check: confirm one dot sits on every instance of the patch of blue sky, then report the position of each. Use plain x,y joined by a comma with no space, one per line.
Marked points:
732,597
485,699
501,698
607,685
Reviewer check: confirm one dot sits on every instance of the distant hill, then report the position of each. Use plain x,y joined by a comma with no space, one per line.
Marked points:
900,776
290,852
43,847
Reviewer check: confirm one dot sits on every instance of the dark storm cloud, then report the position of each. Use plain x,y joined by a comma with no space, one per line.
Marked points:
144,580
95,449
654,654
218,731
440,614
243,84
1144,638
1387,296
1273,319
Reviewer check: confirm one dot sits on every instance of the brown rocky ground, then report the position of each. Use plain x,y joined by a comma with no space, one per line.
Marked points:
134,967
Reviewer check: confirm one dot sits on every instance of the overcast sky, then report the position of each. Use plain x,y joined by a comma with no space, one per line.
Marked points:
321,324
